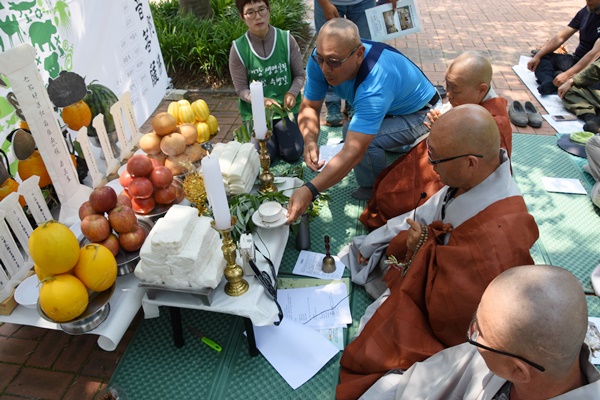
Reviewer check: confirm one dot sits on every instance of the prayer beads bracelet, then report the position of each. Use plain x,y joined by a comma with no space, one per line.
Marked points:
422,239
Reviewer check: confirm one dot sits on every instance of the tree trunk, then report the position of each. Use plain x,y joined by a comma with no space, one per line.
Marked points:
200,8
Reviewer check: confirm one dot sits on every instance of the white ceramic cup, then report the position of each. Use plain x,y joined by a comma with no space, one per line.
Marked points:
270,211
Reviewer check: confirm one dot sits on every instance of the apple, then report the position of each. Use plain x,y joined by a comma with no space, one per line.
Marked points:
125,193
112,243
139,165
86,209
166,195
161,177
133,240
180,194
125,178
143,206
122,219
103,199
123,200
95,227
140,188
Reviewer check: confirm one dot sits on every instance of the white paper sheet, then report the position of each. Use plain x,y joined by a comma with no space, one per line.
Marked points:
296,351
327,152
564,126
310,263
593,339
563,185
386,23
319,307
334,335
551,102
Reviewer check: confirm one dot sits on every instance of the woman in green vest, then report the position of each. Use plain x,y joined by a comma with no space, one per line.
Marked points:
272,56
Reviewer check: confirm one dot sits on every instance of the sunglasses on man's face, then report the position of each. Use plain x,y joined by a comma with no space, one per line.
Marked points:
331,62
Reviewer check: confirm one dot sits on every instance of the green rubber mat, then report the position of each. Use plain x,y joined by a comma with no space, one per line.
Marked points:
338,219
580,162
569,224
153,368
593,303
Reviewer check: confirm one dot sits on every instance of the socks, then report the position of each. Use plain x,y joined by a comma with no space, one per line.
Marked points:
547,88
592,124
587,117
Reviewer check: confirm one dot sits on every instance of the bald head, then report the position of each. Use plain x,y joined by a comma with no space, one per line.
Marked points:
472,67
538,312
468,128
341,31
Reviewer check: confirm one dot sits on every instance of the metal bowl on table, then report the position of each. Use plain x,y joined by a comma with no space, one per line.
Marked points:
127,260
96,313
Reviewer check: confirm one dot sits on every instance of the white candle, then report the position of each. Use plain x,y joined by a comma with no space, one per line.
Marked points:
215,191
258,109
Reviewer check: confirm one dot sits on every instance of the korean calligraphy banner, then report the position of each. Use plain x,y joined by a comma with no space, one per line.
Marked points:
110,42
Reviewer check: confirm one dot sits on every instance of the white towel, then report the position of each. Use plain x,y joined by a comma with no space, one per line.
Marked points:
177,282
173,229
227,157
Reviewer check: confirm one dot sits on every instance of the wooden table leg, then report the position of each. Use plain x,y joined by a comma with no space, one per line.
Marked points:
177,326
253,350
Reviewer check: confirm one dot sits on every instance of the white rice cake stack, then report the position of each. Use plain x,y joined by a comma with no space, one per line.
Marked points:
173,229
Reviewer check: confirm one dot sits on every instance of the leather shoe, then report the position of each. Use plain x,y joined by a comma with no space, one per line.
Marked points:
533,116
517,114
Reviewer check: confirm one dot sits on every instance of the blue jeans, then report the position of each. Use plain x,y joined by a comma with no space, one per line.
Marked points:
396,134
356,14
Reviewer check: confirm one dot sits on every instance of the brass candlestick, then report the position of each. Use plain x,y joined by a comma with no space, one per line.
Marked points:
236,285
266,176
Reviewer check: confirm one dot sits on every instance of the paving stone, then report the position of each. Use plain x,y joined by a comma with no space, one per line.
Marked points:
49,349
16,350
40,383
7,373
83,388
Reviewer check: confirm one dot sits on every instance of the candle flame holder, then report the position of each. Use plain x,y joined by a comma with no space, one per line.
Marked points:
266,177
236,285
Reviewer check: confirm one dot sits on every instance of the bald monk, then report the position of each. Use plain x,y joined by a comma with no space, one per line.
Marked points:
448,251
525,342
398,188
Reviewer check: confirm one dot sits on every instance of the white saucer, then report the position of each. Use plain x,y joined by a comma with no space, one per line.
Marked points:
269,225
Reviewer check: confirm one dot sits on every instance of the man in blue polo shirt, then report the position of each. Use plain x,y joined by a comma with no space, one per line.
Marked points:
390,100
551,69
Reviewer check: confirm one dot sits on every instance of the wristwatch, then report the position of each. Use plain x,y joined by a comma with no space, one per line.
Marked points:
315,192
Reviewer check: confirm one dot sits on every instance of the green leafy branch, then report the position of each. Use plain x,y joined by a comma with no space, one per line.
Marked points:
243,133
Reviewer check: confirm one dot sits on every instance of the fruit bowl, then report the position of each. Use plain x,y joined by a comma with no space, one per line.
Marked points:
127,260
96,312
160,209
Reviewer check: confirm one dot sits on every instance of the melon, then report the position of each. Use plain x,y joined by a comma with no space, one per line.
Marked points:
99,100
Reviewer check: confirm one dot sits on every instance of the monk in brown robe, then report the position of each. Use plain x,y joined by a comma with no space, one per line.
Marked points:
448,250
398,187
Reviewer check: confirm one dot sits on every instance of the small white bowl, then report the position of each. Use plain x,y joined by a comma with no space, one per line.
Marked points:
270,211
28,291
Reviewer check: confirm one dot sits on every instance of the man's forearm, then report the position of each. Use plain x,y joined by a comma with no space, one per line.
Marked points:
336,169
588,75
308,122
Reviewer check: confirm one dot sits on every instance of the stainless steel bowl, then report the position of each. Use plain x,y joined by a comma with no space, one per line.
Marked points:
127,260
96,313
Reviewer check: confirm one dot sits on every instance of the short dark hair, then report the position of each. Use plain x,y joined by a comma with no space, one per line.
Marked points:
240,4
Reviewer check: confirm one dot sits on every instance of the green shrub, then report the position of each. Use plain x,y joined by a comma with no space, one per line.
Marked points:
198,49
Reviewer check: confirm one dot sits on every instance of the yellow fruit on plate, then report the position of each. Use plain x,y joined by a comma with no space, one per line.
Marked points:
174,110
186,115
96,268
41,274
183,102
203,132
53,248
63,297
213,124
201,110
